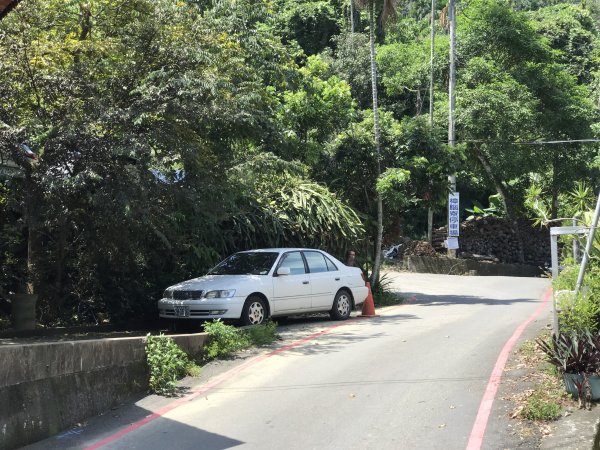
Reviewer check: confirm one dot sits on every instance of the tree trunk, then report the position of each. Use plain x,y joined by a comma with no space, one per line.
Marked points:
431,101
32,223
429,224
508,206
377,262
60,265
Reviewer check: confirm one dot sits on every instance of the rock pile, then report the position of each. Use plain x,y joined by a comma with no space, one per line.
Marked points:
408,247
493,238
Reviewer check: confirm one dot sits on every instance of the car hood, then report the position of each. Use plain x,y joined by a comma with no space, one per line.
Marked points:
217,282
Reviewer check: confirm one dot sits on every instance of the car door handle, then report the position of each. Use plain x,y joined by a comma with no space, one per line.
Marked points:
337,279
305,282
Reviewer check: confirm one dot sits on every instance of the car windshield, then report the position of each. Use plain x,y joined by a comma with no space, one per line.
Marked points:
247,263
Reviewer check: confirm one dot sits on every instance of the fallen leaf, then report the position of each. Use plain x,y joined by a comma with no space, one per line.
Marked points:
516,412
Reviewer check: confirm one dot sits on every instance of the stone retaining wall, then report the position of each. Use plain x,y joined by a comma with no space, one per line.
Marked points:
49,387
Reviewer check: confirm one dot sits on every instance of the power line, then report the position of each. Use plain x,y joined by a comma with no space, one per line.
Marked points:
569,141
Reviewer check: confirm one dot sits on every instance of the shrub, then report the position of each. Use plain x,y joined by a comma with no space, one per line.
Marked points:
578,313
225,339
263,334
573,353
167,363
566,279
382,295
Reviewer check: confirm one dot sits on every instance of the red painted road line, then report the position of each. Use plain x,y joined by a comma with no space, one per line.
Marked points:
207,386
485,408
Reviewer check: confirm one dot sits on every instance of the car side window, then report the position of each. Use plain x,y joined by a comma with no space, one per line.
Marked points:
316,262
294,261
331,267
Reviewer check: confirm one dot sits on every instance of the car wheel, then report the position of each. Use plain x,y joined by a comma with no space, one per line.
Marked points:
342,306
254,312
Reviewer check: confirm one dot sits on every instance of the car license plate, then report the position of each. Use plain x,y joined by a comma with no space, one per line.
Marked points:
182,311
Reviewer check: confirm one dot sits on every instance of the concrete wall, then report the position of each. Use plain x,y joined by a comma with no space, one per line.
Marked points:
455,266
49,387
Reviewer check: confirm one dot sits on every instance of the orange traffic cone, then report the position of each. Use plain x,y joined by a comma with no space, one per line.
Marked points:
368,309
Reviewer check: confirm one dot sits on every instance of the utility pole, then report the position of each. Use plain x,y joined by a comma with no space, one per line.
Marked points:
431,61
452,97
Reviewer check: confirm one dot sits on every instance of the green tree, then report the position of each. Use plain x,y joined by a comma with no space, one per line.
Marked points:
573,34
312,24
511,90
388,10
320,107
136,110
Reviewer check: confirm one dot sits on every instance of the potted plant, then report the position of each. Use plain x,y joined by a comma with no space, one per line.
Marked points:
574,355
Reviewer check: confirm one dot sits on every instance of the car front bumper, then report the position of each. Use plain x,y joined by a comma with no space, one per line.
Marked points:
228,308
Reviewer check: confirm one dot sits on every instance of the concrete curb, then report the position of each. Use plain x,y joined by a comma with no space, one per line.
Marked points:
49,387
576,431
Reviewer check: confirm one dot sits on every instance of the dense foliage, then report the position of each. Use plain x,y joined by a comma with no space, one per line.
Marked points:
168,134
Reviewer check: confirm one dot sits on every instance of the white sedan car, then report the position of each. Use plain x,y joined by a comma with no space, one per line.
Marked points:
254,285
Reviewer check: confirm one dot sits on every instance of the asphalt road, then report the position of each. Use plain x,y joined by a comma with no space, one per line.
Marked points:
412,378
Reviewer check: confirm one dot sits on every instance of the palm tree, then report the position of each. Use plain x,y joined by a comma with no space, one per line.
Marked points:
388,10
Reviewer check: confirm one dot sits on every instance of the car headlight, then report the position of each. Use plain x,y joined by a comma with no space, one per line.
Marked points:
220,294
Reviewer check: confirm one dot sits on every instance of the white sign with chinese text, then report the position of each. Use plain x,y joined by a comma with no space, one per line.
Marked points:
454,214
452,243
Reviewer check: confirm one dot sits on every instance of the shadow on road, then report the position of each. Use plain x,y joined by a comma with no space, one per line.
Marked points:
446,300
330,342
159,433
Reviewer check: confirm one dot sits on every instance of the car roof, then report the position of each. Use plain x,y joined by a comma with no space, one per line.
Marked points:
288,249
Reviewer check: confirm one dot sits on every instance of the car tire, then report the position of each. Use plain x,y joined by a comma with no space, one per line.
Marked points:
342,305
254,311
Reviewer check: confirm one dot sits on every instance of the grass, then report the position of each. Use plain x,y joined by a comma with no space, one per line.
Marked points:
545,399
545,402
528,351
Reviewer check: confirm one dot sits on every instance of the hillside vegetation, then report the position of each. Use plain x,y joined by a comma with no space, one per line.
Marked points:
154,137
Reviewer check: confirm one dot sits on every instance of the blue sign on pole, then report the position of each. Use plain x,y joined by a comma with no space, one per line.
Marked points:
454,214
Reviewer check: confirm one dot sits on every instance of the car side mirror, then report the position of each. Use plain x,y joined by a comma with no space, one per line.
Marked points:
283,271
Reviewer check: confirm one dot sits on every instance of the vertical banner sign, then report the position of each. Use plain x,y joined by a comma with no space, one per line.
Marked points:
454,214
